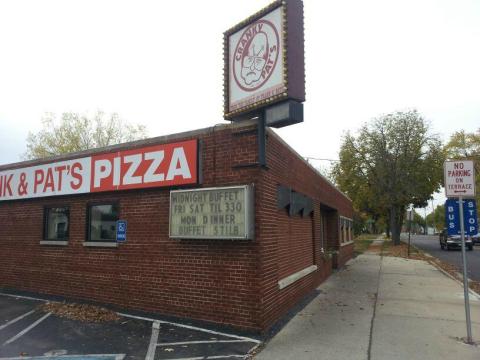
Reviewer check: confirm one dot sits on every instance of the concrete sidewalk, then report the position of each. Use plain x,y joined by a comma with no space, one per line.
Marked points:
381,308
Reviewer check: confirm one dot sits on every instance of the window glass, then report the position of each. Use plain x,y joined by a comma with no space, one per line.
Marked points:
350,231
102,224
56,223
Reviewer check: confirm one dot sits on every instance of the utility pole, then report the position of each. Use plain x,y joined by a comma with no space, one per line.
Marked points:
433,218
409,217
425,232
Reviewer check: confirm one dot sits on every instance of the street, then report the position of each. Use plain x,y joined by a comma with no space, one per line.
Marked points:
431,245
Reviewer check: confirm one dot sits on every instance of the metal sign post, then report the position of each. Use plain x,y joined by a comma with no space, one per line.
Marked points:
465,277
409,217
460,182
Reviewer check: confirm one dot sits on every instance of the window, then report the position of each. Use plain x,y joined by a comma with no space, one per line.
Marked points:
56,224
346,229
102,222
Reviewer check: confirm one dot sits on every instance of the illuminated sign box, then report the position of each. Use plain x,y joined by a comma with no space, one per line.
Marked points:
213,213
264,59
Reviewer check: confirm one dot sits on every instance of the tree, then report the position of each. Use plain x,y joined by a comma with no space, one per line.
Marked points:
466,146
437,217
76,132
393,162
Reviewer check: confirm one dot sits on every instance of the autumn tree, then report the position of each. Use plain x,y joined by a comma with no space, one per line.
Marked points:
76,132
392,162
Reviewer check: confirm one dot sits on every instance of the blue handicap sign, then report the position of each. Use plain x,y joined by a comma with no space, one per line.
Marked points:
121,230
452,216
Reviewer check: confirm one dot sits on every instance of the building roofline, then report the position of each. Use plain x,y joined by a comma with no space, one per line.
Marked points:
160,140
271,132
118,147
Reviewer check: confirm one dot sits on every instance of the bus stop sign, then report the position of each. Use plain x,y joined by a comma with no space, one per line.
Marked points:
452,214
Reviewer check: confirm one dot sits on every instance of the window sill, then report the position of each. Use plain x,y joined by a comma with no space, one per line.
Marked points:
296,276
100,244
54,242
347,243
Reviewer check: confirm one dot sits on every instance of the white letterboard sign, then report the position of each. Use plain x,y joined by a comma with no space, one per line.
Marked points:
212,213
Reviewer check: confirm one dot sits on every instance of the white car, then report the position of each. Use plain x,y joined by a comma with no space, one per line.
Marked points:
448,242
476,238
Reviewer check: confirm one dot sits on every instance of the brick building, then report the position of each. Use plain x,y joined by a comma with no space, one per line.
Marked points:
302,231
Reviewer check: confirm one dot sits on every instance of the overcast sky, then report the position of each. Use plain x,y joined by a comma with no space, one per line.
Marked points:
159,63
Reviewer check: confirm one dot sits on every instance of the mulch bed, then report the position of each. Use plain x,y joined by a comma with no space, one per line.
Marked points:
80,312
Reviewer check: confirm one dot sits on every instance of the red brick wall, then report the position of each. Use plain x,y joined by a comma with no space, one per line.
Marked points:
345,253
277,259
228,282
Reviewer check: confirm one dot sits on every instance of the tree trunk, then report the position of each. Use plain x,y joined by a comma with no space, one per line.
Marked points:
395,224
388,225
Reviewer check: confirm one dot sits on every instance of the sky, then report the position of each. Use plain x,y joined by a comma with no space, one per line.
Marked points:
160,64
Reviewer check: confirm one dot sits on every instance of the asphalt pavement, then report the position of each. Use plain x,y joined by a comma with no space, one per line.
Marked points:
29,333
431,245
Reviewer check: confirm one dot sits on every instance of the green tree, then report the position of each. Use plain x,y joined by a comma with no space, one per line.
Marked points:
464,145
77,132
437,217
418,223
393,162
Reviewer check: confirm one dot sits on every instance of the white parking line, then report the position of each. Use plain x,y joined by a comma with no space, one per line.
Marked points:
16,319
153,341
24,297
240,338
201,342
109,356
24,331
192,328
210,357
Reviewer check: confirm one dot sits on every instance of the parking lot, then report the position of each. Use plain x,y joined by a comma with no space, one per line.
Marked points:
28,332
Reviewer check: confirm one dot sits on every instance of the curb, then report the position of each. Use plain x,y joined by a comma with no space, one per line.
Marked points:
472,292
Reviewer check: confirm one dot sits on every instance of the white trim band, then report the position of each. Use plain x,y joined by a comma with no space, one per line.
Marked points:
100,243
54,242
296,276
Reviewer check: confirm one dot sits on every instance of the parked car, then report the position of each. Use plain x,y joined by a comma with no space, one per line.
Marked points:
448,242
476,238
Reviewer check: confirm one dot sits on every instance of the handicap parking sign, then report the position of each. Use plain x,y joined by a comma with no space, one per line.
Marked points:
121,230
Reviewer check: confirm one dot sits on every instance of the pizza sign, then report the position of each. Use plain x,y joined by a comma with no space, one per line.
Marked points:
260,55
161,165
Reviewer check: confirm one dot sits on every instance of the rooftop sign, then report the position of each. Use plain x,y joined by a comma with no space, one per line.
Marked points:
264,59
153,166
459,178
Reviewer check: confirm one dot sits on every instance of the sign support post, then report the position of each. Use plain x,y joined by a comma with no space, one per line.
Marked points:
460,182
409,215
409,234
262,143
465,277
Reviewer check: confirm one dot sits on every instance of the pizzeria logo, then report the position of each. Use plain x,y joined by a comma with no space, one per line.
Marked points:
256,55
